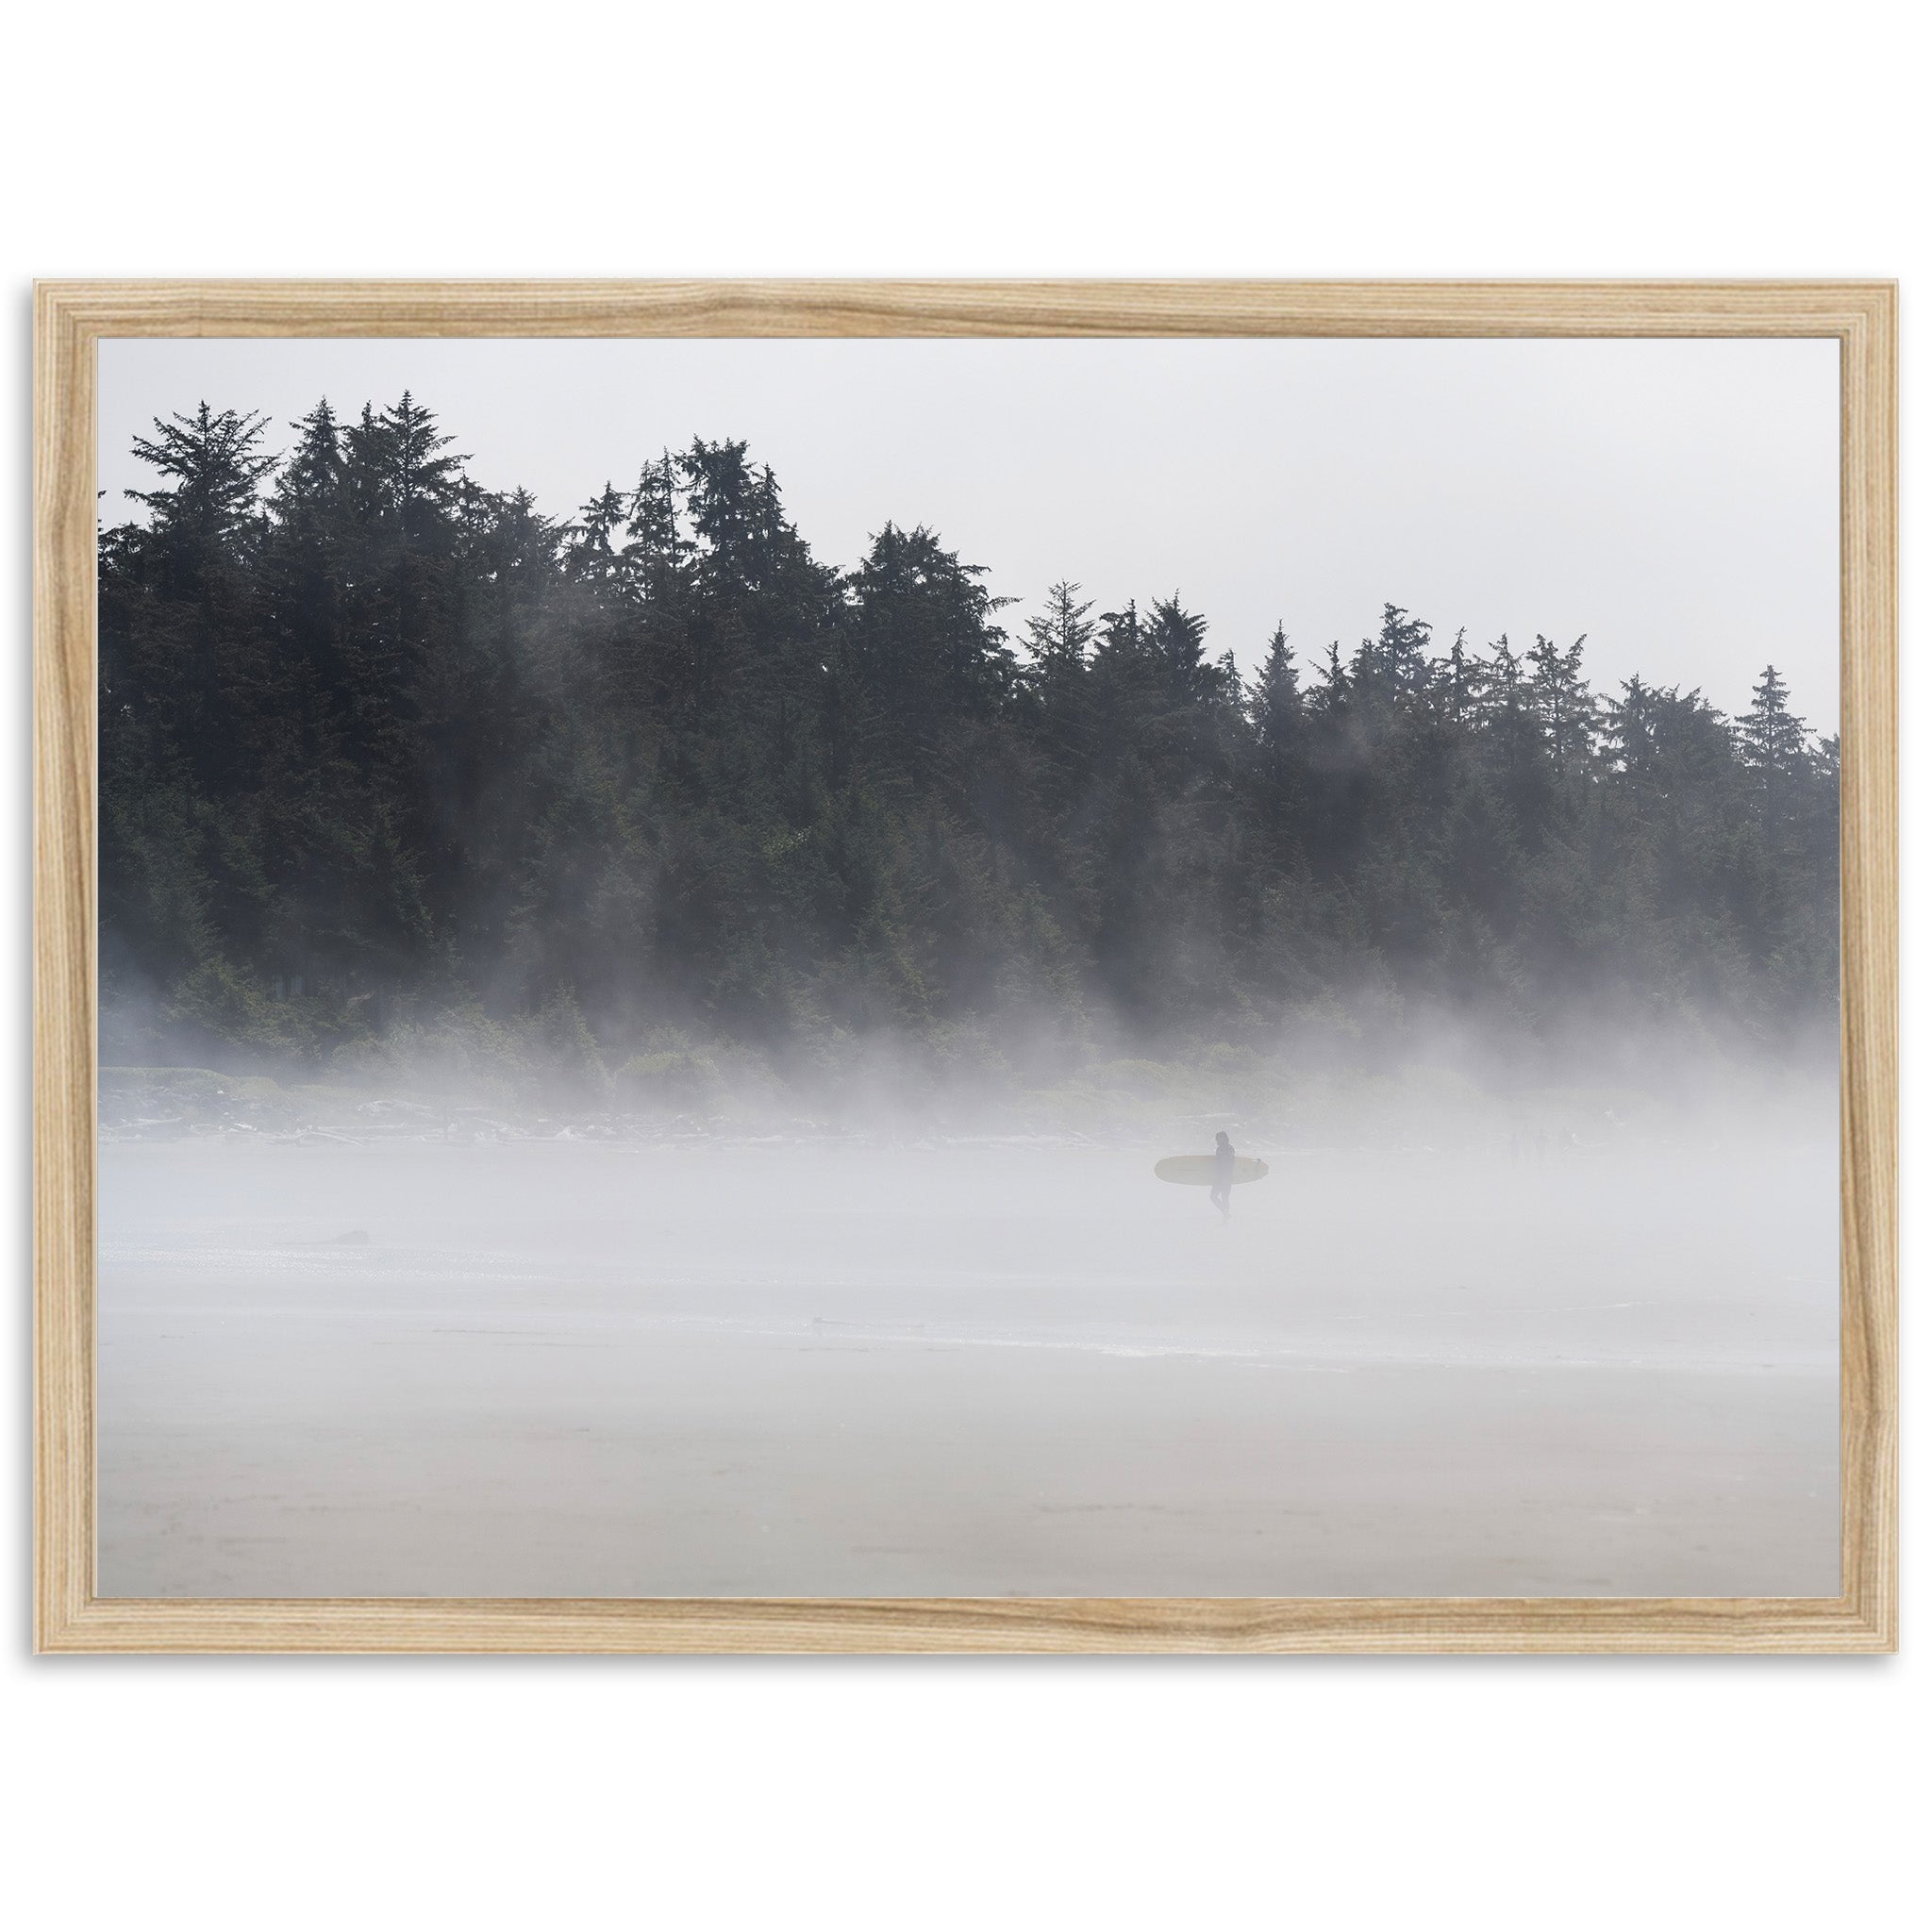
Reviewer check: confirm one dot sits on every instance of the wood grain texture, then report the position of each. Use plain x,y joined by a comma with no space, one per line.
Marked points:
1868,1375
965,308
70,317
64,1082
1332,1626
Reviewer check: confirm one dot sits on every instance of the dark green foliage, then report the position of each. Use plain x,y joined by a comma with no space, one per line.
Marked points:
380,748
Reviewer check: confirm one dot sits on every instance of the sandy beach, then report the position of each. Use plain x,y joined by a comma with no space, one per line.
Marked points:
562,1368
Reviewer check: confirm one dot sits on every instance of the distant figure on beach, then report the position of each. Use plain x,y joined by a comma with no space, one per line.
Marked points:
1224,1174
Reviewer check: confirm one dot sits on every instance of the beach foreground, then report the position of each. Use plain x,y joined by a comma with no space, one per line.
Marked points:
558,1368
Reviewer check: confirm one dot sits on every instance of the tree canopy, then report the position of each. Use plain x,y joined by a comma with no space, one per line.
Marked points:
377,741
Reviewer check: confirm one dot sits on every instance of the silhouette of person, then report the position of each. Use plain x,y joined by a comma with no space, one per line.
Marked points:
1223,1173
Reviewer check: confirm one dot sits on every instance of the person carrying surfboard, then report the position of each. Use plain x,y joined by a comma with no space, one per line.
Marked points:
1217,1172
1224,1174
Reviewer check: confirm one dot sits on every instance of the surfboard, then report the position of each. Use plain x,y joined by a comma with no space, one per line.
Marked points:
1197,1169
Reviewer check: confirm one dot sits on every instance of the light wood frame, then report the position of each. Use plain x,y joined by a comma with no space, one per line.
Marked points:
70,317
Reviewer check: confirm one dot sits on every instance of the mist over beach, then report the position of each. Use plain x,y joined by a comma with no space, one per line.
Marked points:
1451,1344
634,1057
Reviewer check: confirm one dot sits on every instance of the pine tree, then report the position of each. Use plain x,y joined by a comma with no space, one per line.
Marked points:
1177,638
1059,637
1275,697
210,501
1400,652
1459,681
1563,701
1771,738
592,553
655,553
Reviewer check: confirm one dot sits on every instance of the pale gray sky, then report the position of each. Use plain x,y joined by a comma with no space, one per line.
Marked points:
1676,500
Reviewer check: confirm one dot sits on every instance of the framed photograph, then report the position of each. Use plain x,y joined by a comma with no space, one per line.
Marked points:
965,966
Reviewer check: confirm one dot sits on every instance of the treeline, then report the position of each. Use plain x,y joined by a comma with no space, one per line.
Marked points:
379,744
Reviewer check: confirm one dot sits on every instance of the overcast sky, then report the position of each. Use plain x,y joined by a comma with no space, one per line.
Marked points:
1675,500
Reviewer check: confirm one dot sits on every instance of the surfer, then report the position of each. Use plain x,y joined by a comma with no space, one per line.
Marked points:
1219,1172
1224,1174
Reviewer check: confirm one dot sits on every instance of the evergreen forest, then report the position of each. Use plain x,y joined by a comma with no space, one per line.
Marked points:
389,758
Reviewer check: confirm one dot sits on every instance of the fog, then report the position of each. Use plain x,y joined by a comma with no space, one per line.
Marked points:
633,1061
1462,1339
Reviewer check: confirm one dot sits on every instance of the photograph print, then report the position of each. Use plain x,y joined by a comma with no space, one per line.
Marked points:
975,968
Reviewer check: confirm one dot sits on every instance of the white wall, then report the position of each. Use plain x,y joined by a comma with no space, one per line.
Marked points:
1488,139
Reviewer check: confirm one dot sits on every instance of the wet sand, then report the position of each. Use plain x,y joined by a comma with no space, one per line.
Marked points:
566,1369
